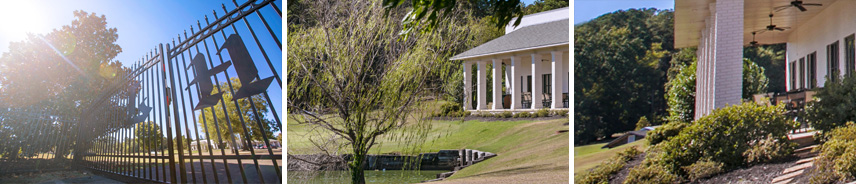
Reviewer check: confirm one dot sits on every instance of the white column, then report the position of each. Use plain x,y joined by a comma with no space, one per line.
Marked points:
556,74
482,85
536,81
516,86
468,86
508,78
497,84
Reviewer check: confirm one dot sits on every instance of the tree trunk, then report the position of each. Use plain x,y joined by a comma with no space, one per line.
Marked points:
357,172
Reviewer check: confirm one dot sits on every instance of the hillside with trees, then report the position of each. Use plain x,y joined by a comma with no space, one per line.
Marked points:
626,67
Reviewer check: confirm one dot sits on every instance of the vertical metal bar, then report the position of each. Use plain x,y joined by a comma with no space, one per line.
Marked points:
184,115
166,62
253,104
276,9
163,110
155,127
223,103
207,136
272,35
264,54
214,118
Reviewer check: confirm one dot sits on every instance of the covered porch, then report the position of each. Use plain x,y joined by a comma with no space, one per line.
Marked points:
529,69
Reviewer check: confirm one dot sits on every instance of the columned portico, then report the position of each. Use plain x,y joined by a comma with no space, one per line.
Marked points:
529,69
719,71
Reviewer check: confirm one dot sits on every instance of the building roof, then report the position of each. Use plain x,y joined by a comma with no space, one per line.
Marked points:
548,34
539,18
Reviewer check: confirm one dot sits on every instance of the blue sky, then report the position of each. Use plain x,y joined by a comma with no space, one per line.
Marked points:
142,25
585,10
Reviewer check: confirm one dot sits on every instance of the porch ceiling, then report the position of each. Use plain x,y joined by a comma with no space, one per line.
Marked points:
690,15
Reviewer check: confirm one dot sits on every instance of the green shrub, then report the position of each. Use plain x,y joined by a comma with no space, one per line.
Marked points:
651,174
601,173
450,107
651,170
665,132
726,134
702,169
453,114
560,112
642,123
832,110
768,150
542,113
466,113
506,114
523,114
837,158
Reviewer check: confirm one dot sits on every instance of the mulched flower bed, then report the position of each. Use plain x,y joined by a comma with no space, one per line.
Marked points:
758,174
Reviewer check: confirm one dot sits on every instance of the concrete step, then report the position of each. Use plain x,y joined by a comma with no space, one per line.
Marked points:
786,177
806,160
798,167
806,149
786,181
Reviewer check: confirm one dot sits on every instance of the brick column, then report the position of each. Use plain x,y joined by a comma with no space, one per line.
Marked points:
482,85
468,86
497,84
728,58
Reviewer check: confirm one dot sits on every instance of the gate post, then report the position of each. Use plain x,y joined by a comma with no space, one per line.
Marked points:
171,94
169,141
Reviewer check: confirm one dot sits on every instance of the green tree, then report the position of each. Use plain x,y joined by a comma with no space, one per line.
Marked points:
62,72
772,59
149,135
544,5
681,93
425,15
754,79
368,84
235,119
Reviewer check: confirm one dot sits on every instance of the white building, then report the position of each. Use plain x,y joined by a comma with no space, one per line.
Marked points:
820,40
539,46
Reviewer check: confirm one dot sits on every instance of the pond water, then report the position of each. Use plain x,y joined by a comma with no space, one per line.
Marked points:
372,177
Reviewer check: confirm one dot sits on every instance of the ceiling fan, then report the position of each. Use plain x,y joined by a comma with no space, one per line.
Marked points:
771,27
798,4
753,43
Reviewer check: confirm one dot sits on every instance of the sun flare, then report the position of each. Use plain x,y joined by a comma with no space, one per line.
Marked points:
17,18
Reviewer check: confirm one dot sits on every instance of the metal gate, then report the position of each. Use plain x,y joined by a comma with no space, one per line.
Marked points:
196,110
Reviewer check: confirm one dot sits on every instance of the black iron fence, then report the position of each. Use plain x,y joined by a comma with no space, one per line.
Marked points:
196,110
35,140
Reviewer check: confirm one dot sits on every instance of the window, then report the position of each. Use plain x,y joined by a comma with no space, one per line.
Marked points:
812,70
547,85
793,74
802,73
850,54
832,61
529,85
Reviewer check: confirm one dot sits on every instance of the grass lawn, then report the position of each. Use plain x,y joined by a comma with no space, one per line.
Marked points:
529,151
589,156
